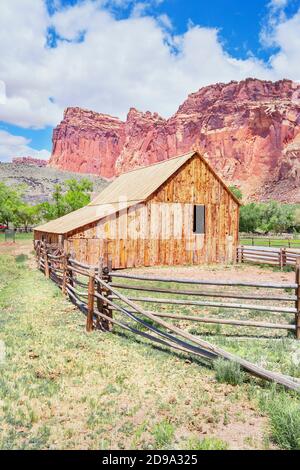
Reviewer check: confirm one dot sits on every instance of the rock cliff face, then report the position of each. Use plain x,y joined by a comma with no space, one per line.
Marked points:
249,131
39,181
87,142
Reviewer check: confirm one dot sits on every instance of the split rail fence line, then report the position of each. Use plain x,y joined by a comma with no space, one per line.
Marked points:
278,257
95,290
275,242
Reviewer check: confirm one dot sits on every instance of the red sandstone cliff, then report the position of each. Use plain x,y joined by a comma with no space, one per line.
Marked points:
249,131
87,142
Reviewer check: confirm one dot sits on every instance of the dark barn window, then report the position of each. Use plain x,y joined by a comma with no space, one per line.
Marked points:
199,219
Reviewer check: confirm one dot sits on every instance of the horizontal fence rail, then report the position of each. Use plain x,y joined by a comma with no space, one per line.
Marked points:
280,257
204,282
101,294
270,241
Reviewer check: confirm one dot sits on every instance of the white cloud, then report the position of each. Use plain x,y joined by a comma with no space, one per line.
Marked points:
285,35
2,92
117,63
165,21
18,146
278,3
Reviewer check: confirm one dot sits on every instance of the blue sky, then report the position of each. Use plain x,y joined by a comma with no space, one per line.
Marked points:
108,55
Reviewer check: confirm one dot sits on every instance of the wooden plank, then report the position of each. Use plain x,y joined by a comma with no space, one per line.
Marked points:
46,261
65,274
258,371
223,321
264,308
297,303
203,282
231,295
91,300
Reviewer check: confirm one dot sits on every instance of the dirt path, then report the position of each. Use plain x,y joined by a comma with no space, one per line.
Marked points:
238,272
19,247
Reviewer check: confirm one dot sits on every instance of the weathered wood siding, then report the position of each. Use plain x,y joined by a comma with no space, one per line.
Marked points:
47,237
160,231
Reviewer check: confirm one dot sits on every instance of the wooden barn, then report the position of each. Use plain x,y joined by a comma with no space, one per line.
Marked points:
178,211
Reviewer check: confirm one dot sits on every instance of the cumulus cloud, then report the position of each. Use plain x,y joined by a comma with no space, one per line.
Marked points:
108,64
277,4
287,36
2,92
18,146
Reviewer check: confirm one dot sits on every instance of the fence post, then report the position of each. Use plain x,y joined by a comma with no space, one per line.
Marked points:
283,256
297,303
242,253
46,260
106,292
38,253
280,260
70,270
65,274
99,291
91,300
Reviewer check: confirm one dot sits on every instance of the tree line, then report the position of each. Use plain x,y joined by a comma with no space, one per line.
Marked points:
268,217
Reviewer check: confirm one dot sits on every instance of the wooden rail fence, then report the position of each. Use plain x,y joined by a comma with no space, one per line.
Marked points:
271,241
102,295
277,257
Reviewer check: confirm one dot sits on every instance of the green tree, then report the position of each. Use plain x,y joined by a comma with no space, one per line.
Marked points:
26,216
237,192
250,217
269,217
74,195
78,193
277,217
10,201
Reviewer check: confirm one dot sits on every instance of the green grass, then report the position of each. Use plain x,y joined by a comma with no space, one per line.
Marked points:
19,236
284,416
228,372
270,347
163,433
273,349
61,388
207,443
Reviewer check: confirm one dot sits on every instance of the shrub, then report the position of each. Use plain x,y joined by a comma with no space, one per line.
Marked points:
209,443
228,372
163,433
284,415
21,258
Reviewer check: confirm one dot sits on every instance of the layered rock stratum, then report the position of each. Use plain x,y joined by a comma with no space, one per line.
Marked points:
29,161
38,182
249,131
